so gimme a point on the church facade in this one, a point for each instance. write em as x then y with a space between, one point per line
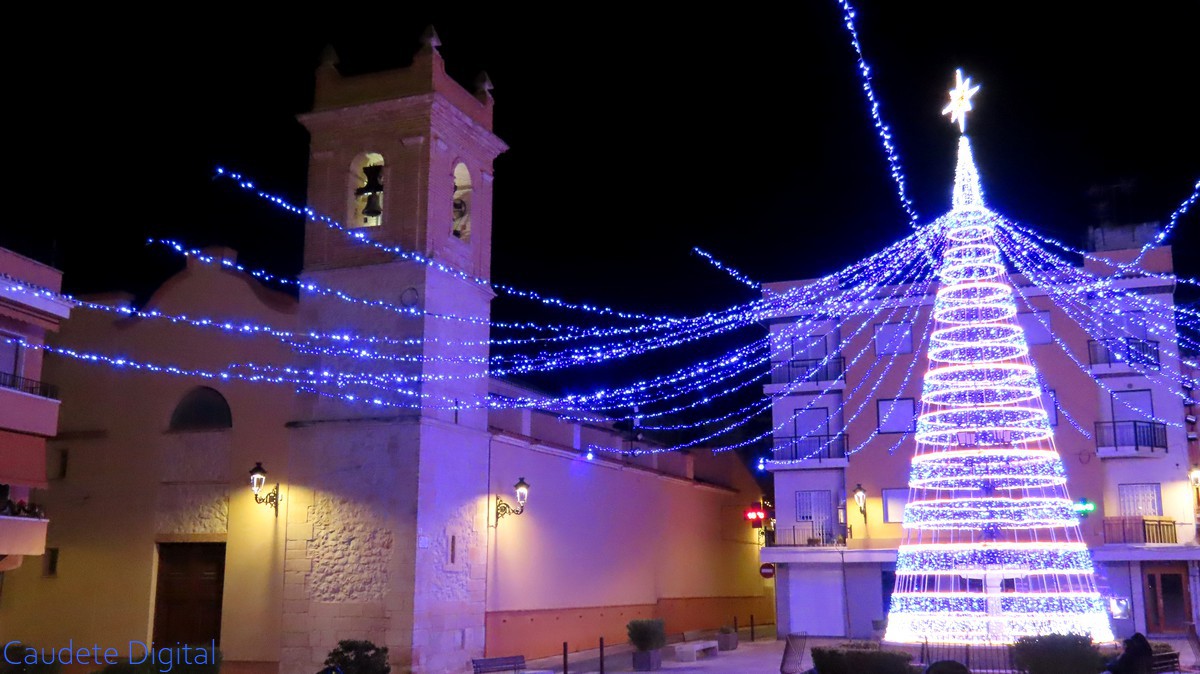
379 521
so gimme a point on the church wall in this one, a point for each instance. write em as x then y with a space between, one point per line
602 542
131 483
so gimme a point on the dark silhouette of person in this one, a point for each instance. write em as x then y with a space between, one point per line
1135 659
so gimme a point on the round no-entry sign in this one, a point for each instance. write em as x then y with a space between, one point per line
767 570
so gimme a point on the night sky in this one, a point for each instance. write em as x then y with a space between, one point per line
634 135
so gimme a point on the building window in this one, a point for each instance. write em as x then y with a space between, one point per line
50 563
1132 405
1036 325
814 515
365 193
809 347
58 464
1140 499
202 409
894 501
895 415
461 206
1123 325
1050 404
10 356
893 338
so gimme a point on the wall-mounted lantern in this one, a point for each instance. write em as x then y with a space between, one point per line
1194 476
860 498
258 479
503 508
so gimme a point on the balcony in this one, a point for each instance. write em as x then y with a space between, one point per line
1130 438
1139 529
1129 351
31 386
815 448
22 535
28 406
809 534
808 370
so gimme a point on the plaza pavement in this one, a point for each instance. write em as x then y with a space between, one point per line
759 657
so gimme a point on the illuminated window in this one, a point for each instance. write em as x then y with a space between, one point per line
1140 499
893 338
814 515
461 207
1050 404
896 415
893 504
1036 325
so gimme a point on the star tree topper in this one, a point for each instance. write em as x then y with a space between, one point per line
960 100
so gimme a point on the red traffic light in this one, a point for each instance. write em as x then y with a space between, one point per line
756 515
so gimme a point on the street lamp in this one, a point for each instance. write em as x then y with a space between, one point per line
503 508
258 478
860 497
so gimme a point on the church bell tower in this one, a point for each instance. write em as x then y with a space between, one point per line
386 526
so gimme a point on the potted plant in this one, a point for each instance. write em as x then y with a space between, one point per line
648 637
727 638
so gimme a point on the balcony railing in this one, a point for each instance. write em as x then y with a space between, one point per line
1140 436
809 534
1139 529
31 386
808 370
809 448
1124 351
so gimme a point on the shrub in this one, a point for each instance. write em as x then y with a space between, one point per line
359 657
1058 654
647 635
857 660
1161 647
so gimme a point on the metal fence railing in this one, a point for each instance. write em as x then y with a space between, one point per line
808 370
810 534
1124 351
1140 436
809 448
31 386
1140 529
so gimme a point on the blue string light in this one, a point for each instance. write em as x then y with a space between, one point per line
735 274
885 133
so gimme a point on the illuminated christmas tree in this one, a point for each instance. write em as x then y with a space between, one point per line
992 549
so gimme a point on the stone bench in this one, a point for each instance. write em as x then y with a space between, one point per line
1164 662
687 651
508 663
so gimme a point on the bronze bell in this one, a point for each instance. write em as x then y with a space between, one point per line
374 184
372 209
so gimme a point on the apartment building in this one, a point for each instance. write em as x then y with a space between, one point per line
1124 424
28 408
